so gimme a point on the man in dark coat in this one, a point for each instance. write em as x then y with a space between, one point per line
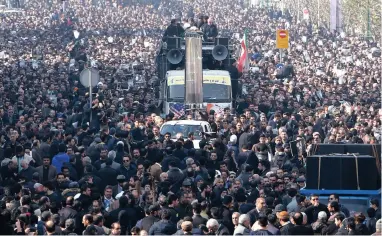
260 207
173 30
284 222
9 171
175 175
216 228
197 219
128 169
68 212
210 30
27 171
173 202
312 211
108 175
169 158
299 228
150 219
129 214
227 213
164 226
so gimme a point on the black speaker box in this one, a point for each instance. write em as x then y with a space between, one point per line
338 172
326 149
173 43
361 149
222 41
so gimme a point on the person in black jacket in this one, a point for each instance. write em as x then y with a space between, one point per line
169 158
173 30
261 206
245 137
164 226
9 171
262 223
299 228
85 197
335 227
197 219
173 202
108 175
313 210
126 215
227 213
175 175
216 228
371 220
68 212
210 30
129 168
151 218
360 226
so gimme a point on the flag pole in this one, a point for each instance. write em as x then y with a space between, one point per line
246 49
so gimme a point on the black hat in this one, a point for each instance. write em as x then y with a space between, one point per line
154 207
280 208
187 182
19 148
300 179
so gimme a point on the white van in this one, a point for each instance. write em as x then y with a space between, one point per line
185 127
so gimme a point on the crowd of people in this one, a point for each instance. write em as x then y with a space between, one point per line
71 167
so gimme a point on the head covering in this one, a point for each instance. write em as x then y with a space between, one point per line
300 179
98 140
187 182
280 208
112 131
227 199
232 173
241 198
74 185
198 178
121 177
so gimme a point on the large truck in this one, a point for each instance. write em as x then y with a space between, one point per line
217 91
177 63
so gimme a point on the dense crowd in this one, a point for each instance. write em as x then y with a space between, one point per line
71 167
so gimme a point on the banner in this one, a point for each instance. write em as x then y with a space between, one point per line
207 79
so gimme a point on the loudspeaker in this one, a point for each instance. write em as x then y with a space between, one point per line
174 56
360 149
326 149
339 172
220 52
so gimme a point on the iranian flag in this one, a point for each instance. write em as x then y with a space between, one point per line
243 60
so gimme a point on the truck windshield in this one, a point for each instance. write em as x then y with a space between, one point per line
211 93
183 129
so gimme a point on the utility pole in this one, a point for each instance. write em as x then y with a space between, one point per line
368 33
318 13
298 10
